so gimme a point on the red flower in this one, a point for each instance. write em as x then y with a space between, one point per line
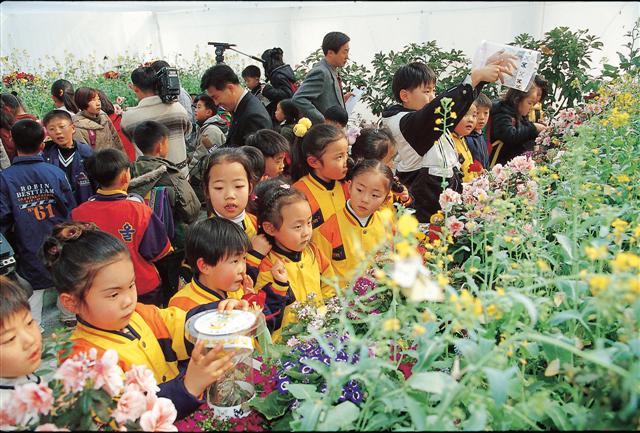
111 75
476 167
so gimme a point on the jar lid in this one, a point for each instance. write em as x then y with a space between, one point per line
229 327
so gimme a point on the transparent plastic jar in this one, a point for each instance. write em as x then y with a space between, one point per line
526 61
228 397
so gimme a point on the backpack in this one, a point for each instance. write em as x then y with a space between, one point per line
158 201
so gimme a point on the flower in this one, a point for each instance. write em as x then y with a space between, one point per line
407 224
598 283
143 377
521 164
596 253
72 374
38 397
161 417
50 427
131 405
107 374
454 225
391 325
476 167
449 198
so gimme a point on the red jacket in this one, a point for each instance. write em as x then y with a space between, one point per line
7 140
128 146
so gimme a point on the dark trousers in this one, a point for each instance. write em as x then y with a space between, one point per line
426 190
169 270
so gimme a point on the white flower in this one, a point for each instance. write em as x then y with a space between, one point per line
415 282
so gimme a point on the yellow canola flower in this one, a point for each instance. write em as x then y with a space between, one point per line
442 280
623 178
500 291
596 253
438 121
453 115
477 307
625 261
619 225
598 283
407 224
391 325
555 176
543 266
405 249
419 330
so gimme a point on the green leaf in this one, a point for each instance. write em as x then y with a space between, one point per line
416 411
566 244
499 383
434 382
272 406
531 309
340 417
303 391
477 421
563 316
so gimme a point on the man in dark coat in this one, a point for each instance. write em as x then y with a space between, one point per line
249 114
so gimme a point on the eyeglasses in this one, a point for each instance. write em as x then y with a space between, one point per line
58 128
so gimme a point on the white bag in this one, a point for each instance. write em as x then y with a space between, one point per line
527 62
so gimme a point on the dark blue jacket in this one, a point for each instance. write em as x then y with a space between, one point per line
34 197
478 146
79 181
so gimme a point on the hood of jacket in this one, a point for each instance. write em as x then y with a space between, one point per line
395 109
87 121
148 171
284 70
217 121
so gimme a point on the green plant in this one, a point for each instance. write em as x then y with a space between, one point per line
630 63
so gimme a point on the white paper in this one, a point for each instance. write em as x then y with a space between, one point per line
527 62
351 102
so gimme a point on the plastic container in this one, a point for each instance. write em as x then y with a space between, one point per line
229 396
527 62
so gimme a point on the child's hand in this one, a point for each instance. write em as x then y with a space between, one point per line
404 195
233 304
261 244
205 369
497 65
279 272
540 127
247 284
501 58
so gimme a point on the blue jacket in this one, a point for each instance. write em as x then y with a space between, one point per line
34 197
80 184
478 146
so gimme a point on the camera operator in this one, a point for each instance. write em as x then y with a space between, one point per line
145 84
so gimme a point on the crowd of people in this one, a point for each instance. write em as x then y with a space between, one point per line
240 195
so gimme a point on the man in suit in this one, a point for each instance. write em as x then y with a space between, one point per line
249 114
322 87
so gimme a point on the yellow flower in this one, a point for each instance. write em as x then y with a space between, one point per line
453 115
596 253
555 176
453 297
391 325
300 130
465 296
598 283
428 316
437 110
636 231
625 261
523 361
543 266
379 274
477 307
510 351
386 214
634 284
500 291
619 225
473 270
438 121
419 330
306 122
404 249
407 224
420 236
437 218
508 239
442 280
623 178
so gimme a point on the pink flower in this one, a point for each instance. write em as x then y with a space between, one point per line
161 417
528 228
117 109
131 405
72 374
50 427
449 198
119 100
107 374
454 225
38 397
499 173
521 164
143 377
7 419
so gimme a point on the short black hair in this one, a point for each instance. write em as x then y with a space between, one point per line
27 135
256 161
269 142
158 65
337 114
482 101
208 102
144 77
290 111
251 71
213 240
411 76
334 41
148 134
218 76
56 114
13 299
106 165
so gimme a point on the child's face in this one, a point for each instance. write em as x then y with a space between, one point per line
528 102
202 112
295 232
163 147
251 82
20 345
110 301
94 106
368 192
468 122
279 114
332 165
416 99
228 189
274 165
227 275
61 132
482 117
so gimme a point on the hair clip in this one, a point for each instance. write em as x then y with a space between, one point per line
352 134
301 128
285 186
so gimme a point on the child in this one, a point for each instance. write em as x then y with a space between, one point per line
115 115
359 228
257 164
470 168
11 110
378 144
211 134
20 340
336 116
92 125
62 95
127 218
274 148
94 277
510 132
285 216
66 153
34 197
287 115
426 156
251 77
319 165
475 141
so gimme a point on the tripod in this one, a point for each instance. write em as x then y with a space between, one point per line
221 46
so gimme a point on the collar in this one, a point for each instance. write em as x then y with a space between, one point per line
131 335
332 68
199 286
326 185
12 382
150 100
111 194
239 220
27 159
240 99
348 210
294 256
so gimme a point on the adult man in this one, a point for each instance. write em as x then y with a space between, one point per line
322 87
172 115
249 114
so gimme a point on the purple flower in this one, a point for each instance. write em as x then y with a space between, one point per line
305 369
282 386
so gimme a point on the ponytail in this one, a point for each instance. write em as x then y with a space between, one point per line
315 143
62 90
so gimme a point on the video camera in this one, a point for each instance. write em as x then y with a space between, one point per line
168 84
7 259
